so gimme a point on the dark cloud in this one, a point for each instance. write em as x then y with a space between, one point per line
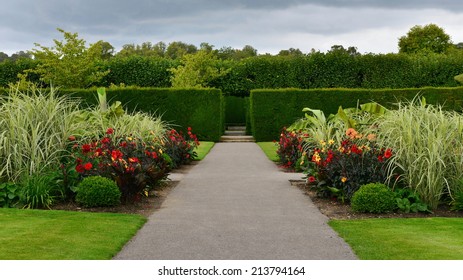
222 23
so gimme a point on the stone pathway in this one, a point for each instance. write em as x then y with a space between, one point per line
236 205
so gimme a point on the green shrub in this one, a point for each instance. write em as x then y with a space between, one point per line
96 191
373 198
9 194
409 202
457 203
38 191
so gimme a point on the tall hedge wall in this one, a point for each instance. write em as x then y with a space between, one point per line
342 70
273 109
201 109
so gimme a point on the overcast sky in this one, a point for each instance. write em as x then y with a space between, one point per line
267 25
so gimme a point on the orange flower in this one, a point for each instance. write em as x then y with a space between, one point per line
343 179
371 137
351 133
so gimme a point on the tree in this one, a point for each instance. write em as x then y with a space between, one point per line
107 50
197 70
69 63
422 39
3 56
290 52
177 50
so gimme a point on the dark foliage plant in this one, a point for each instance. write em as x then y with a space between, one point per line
342 169
133 164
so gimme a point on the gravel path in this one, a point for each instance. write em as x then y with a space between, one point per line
236 205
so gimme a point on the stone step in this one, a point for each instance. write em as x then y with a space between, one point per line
229 138
235 132
236 128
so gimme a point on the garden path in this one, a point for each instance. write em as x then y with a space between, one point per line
236 204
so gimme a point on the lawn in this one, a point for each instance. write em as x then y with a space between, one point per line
270 150
64 235
203 149
403 239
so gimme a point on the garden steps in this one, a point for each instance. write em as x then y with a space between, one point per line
236 134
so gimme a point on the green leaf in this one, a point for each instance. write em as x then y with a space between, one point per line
102 99
373 108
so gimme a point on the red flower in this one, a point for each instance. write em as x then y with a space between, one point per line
388 153
110 131
133 160
72 138
154 155
116 154
88 166
312 179
86 148
123 144
98 152
189 128
380 158
105 140
80 168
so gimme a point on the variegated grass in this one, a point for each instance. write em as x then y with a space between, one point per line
427 145
34 127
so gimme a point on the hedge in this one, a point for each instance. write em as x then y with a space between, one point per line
273 109
201 109
339 69
139 71
235 110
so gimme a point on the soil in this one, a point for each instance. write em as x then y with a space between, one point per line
337 210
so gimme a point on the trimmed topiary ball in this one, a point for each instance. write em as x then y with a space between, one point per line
96 191
373 198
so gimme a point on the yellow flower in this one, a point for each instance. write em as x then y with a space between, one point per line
331 142
343 179
323 143
302 162
160 151
129 138
316 157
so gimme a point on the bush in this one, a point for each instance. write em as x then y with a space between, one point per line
38 191
373 198
9 195
344 167
134 164
96 191
181 150
457 203
290 148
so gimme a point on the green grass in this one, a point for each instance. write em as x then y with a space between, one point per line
203 149
60 235
270 150
403 239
